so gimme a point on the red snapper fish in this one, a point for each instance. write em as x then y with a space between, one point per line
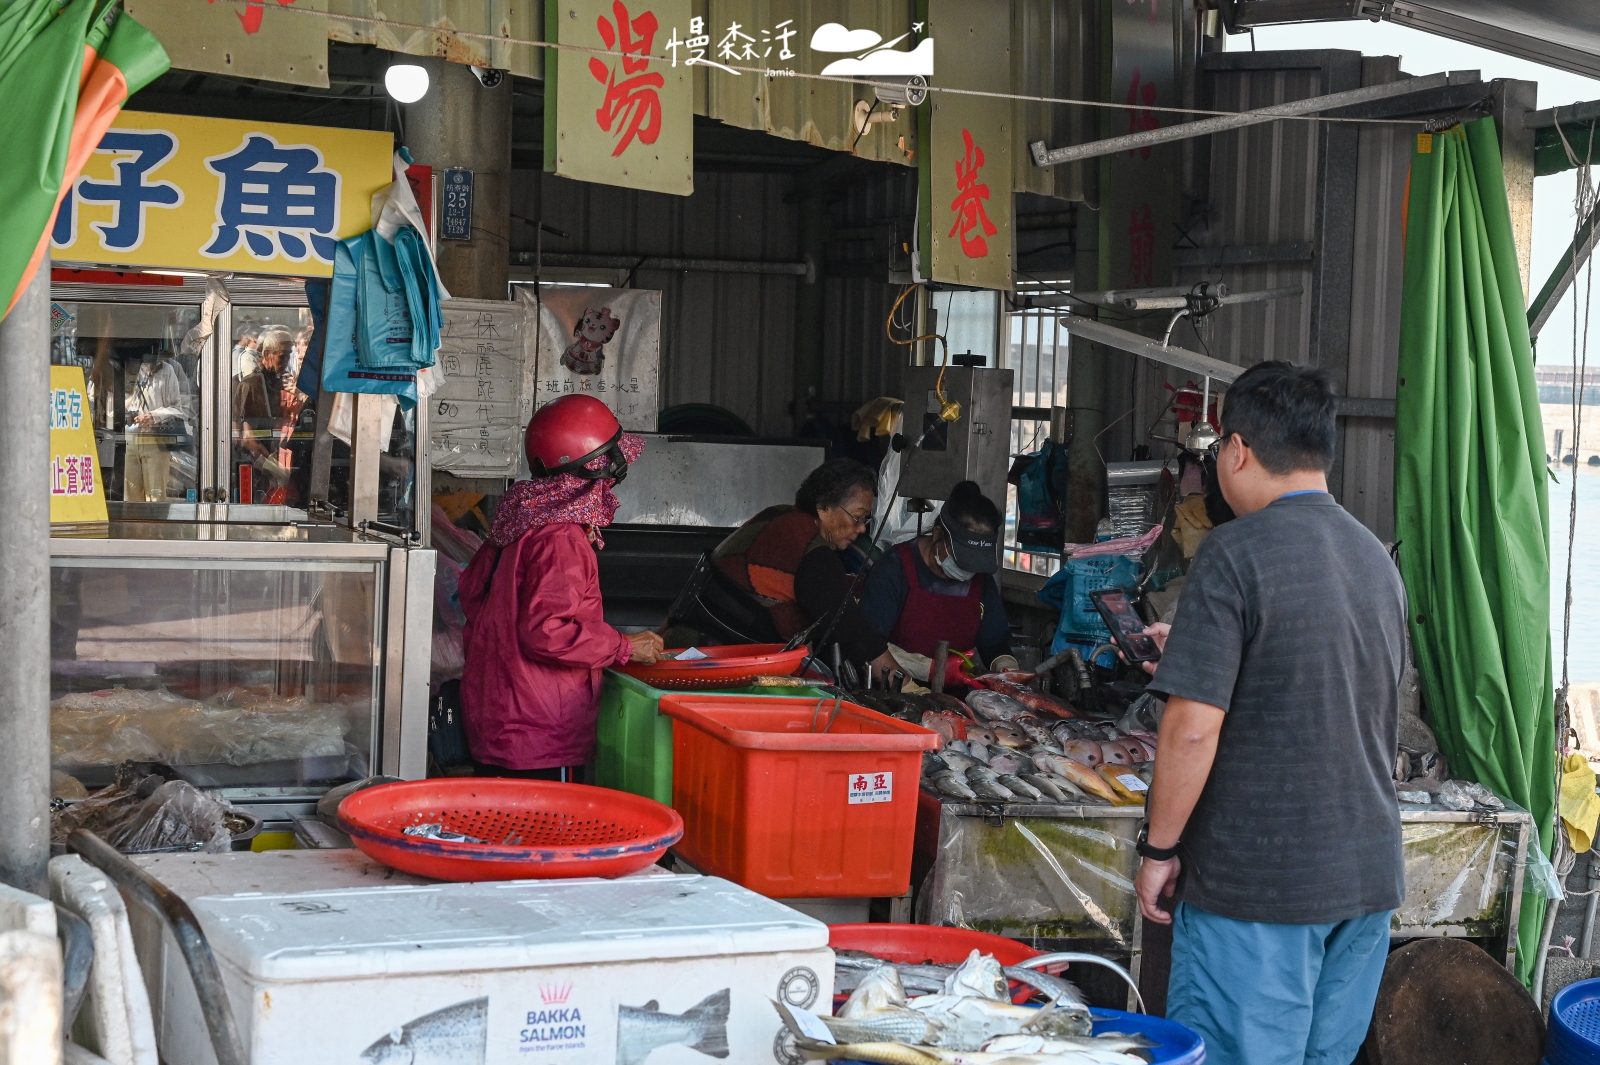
1033 700
948 725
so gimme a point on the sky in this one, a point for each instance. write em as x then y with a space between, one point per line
1424 53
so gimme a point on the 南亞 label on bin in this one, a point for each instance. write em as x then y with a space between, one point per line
871 787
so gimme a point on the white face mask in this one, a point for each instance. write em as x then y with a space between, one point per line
953 571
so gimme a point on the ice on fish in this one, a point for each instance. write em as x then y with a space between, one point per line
455 1035
643 1029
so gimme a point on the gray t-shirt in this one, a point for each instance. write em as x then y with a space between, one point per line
1292 620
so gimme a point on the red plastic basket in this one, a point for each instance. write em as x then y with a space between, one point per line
723 667
771 794
922 944
536 829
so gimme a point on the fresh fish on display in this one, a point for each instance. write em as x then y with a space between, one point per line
950 726
851 967
954 759
880 989
458 1033
1004 760
643 1029
964 1022
1085 752
953 785
1007 735
896 1054
1035 730
1081 776
979 975
982 734
1033 700
993 706
1020 788
1115 752
1046 786
986 784
979 753
1112 1042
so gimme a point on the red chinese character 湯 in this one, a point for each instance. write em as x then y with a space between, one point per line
252 13
632 105
968 204
1141 118
1141 247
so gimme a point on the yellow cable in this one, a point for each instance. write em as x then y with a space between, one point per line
949 409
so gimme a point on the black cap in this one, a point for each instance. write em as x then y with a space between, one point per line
974 551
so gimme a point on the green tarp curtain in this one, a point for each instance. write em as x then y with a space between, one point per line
1471 512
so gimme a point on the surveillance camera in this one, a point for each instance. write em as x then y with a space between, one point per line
901 91
489 76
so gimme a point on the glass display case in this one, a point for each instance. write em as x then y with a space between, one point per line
266 661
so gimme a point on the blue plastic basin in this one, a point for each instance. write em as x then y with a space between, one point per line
1175 1044
1574 1033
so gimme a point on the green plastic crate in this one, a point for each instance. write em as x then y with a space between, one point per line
634 739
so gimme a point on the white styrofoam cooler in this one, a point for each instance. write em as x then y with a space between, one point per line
644 970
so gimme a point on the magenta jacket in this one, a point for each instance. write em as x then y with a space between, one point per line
536 640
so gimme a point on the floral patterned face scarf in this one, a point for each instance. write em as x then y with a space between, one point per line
566 497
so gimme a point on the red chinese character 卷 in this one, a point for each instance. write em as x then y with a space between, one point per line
968 204
632 105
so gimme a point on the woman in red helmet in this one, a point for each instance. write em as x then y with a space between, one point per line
536 637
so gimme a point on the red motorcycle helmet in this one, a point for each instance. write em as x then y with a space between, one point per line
568 434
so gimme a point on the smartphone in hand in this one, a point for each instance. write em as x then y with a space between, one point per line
1127 627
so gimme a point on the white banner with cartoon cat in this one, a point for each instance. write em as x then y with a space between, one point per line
605 342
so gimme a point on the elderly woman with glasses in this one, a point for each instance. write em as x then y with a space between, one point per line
788 559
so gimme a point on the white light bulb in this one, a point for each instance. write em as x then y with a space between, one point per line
406 82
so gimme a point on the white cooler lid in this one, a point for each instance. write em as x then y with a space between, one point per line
519 924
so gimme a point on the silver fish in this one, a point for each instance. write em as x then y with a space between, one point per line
853 967
642 1029
981 734
1110 1042
980 752
880 989
963 1022
455 1035
986 784
1044 786
953 784
959 762
1019 787
959 746
993 706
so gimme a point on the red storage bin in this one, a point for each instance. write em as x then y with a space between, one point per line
777 799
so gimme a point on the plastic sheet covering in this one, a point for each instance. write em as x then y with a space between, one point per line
172 816
233 728
1067 872
1049 877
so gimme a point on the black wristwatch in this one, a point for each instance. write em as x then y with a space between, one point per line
1155 854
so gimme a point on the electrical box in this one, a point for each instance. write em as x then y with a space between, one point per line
976 447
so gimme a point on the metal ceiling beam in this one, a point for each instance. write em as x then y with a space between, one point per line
1122 340
1045 156
1567 114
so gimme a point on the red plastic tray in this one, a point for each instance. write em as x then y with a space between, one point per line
560 830
771 801
922 944
723 667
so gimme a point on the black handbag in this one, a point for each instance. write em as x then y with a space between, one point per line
447 733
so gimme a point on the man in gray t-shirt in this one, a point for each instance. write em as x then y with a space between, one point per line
1272 812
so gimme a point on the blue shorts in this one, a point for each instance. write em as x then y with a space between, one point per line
1276 994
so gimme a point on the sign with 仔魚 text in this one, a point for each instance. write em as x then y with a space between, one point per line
180 192
76 493
625 118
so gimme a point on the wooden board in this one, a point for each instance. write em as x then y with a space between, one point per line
1445 1002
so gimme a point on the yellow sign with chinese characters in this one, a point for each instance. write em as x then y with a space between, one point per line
76 493
177 192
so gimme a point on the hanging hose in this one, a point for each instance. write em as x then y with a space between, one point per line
1583 204
949 410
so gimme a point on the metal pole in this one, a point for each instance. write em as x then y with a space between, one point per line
1122 340
25 589
1043 156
